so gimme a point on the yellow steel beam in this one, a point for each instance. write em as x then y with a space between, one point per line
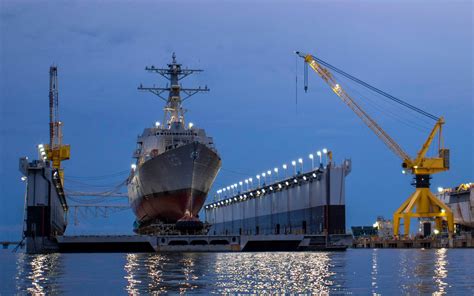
423 204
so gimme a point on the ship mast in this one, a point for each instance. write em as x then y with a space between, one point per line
173 111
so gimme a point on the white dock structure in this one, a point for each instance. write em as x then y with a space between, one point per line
310 203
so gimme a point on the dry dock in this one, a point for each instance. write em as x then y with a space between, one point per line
303 212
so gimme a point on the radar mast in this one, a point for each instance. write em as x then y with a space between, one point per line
173 111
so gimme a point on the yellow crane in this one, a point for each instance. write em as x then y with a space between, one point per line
56 151
422 203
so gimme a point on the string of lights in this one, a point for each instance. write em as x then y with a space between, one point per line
272 176
260 191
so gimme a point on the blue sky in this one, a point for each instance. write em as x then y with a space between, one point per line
420 51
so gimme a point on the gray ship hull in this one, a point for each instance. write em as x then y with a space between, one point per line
173 184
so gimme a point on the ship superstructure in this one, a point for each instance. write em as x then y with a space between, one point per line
176 163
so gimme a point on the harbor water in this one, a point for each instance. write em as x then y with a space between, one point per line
355 272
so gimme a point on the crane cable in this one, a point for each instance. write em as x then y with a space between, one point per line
374 104
296 85
116 174
373 88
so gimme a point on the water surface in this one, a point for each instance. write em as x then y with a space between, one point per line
355 272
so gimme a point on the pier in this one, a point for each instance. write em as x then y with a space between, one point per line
463 241
6 244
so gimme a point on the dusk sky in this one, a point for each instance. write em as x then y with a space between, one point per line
421 51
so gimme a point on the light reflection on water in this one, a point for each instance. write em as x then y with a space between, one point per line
39 274
374 271
229 272
441 272
359 272
427 272
274 272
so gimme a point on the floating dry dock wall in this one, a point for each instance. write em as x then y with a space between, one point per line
45 204
306 203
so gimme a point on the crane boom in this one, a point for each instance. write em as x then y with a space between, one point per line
349 101
54 139
424 149
56 150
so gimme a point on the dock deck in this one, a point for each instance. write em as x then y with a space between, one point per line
198 243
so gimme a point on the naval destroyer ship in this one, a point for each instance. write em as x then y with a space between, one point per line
176 162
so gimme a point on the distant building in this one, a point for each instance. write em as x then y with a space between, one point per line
363 231
382 228
461 201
